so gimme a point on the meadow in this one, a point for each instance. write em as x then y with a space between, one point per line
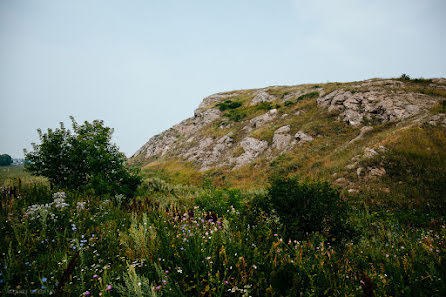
203 240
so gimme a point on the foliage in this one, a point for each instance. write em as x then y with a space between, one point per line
235 115
307 207
220 201
183 249
5 160
264 105
415 167
84 160
310 95
228 104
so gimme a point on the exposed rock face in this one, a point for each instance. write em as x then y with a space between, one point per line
282 139
262 96
253 147
212 138
301 137
263 119
375 102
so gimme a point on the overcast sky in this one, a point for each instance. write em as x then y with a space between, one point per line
143 66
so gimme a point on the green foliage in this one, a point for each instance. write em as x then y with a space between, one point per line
182 249
228 104
310 95
288 103
416 165
235 115
307 207
5 160
404 77
264 105
84 160
220 201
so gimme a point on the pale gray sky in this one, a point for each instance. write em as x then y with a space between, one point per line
143 66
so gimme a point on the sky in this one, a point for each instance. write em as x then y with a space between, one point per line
142 66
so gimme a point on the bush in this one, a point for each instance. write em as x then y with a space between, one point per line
310 95
264 106
235 115
220 201
228 104
307 207
5 160
85 160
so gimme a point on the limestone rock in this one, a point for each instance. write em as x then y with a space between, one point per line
263 119
301 137
362 132
262 96
252 147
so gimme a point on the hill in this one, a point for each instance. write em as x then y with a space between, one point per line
385 134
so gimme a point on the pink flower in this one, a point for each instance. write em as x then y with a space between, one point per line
109 287
275 235
86 293
95 276
158 288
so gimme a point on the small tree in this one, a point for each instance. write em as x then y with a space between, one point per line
5 160
83 160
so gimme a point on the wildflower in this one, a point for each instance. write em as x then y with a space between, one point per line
95 276
158 288
275 235
44 279
86 293
109 287
179 270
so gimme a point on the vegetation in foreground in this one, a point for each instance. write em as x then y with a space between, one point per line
176 240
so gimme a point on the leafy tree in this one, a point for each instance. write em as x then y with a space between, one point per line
5 160
85 159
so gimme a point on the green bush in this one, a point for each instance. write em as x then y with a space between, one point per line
85 159
307 207
220 201
228 104
264 106
235 115
310 95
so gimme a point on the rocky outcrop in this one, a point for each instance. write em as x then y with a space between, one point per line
301 137
282 140
262 96
252 147
263 119
370 101
235 137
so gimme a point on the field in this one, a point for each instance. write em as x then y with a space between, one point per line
184 240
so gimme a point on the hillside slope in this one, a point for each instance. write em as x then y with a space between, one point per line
338 132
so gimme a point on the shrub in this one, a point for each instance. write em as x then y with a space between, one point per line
264 106
85 160
5 160
235 115
306 207
220 201
310 95
288 103
228 104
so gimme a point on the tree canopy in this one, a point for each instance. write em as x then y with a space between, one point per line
83 159
5 160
